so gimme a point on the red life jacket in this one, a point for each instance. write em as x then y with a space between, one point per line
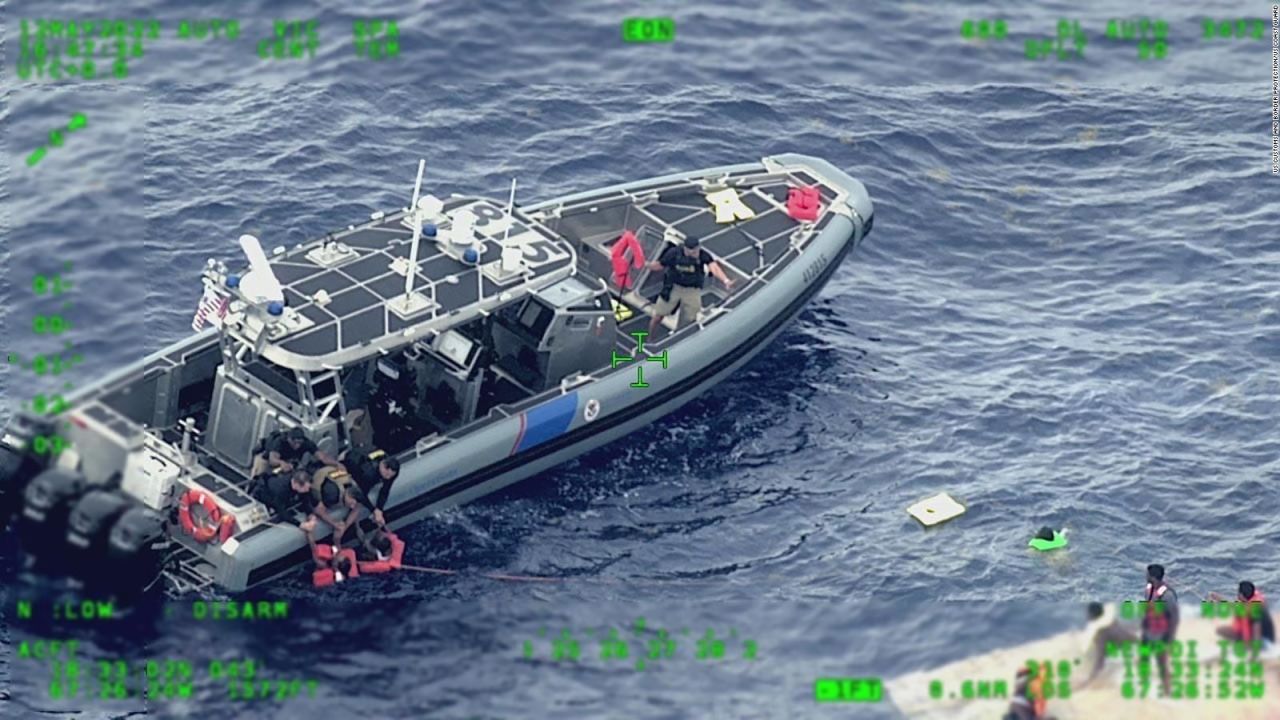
1156 621
391 563
622 273
803 203
1244 625
326 576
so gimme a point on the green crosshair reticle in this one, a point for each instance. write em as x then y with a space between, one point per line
639 335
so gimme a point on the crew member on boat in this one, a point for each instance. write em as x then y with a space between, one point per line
282 451
380 470
282 492
333 490
682 284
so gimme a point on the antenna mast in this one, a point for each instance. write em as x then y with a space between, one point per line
511 210
511 220
412 302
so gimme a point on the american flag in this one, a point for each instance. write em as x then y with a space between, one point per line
213 307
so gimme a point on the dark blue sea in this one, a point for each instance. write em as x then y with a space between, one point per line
1068 314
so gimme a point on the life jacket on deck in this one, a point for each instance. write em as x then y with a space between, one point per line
324 577
621 271
374 567
1243 624
1156 620
803 203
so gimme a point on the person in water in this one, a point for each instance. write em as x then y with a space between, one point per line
1104 630
682 284
1252 622
332 565
381 552
1159 622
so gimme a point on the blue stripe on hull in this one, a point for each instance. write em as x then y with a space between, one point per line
547 421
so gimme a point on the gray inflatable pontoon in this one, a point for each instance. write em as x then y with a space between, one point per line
514 351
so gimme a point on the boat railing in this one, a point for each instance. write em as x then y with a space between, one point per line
430 442
707 316
568 384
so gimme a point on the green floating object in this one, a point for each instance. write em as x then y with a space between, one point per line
1049 539
77 121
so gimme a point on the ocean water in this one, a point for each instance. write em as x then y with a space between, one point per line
1067 314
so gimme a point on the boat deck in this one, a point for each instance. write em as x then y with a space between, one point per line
750 251
360 285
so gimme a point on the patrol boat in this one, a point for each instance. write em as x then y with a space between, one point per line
480 342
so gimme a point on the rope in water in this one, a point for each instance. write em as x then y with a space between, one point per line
546 579
490 576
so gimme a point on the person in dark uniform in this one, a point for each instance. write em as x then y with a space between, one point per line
1159 622
686 270
282 492
283 451
381 470
333 488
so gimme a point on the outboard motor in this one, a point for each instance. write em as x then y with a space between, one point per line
88 527
17 464
49 499
11 481
136 549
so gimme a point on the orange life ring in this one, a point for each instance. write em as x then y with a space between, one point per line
202 533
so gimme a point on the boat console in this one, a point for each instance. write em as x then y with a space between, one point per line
569 328
448 379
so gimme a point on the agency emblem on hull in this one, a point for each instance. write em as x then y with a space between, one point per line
592 410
